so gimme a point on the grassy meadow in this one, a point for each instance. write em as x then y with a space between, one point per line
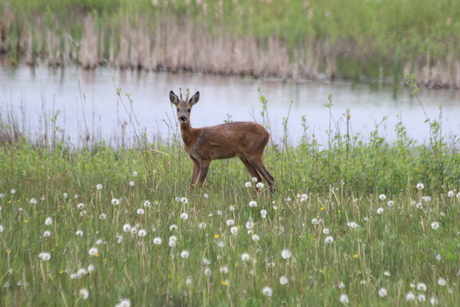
295 39
358 222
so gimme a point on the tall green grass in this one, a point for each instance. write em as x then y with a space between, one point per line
356 39
363 221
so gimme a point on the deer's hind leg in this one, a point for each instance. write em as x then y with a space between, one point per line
254 173
258 164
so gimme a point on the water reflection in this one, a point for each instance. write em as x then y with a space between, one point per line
89 103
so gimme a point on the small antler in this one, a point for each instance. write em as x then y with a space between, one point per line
187 93
180 92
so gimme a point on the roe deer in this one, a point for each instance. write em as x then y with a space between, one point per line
245 140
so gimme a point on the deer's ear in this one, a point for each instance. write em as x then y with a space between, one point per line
173 98
194 99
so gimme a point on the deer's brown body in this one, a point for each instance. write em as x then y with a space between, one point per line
245 140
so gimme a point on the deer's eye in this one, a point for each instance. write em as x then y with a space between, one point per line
189 110
177 110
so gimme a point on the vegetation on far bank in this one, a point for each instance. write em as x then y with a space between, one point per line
376 40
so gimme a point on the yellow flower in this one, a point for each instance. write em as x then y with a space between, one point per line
225 283
26 221
216 236
61 271
322 208
237 264
355 256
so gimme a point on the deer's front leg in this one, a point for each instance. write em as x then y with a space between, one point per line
196 172
204 167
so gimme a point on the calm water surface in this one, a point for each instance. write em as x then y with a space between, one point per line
88 103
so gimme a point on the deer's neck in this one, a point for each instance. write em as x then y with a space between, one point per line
188 134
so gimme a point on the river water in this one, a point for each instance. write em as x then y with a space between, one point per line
89 105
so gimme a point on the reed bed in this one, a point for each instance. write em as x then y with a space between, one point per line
294 39
352 222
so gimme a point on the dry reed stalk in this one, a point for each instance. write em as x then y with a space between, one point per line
88 55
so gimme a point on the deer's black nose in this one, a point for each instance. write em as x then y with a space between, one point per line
183 118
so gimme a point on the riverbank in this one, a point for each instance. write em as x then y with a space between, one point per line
290 40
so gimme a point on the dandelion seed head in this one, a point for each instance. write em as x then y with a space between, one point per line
450 194
202 225
382 197
115 201
326 231
140 211
286 254
142 233
263 213
303 197
315 221
283 280
48 221
410 296
255 238
124 302
131 183
157 241
93 251
47 233
380 210
420 186
184 200
126 227
173 227
421 286
254 179
352 225
146 203
184 216
224 270
260 185
90 268
267 291
81 206
234 230
245 257
383 292
135 174
442 281
207 272
99 186
33 201
102 216
249 225
184 254
252 204
248 184
329 239
44 256
435 225
390 203
79 233
84 293
344 298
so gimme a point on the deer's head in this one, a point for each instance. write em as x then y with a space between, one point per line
184 106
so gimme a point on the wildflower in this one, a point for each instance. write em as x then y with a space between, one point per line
224 270
442 281
255 238
438 257
126 227
147 203
202 225
329 239
252 203
13 191
90 268
386 274
188 281
172 239
82 272
435 225
260 185
157 241
383 292
2 228
234 230
458 195
99 186
420 186
207 272
380 210
352 225
173 227
184 200
450 194
124 302
102 216
248 184
382 197
341 285
84 293
326 231
93 251
249 225
245 257
184 216
434 300
81 206
421 286
390 203
44 256
206 261
115 202
79 233
48 221
140 211
410 296
303 197
283 280
267 291
232 208
131 183
254 179
47 233
184 254
263 213
65 195
421 297
344 298
286 254
33 201
315 221
142 233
